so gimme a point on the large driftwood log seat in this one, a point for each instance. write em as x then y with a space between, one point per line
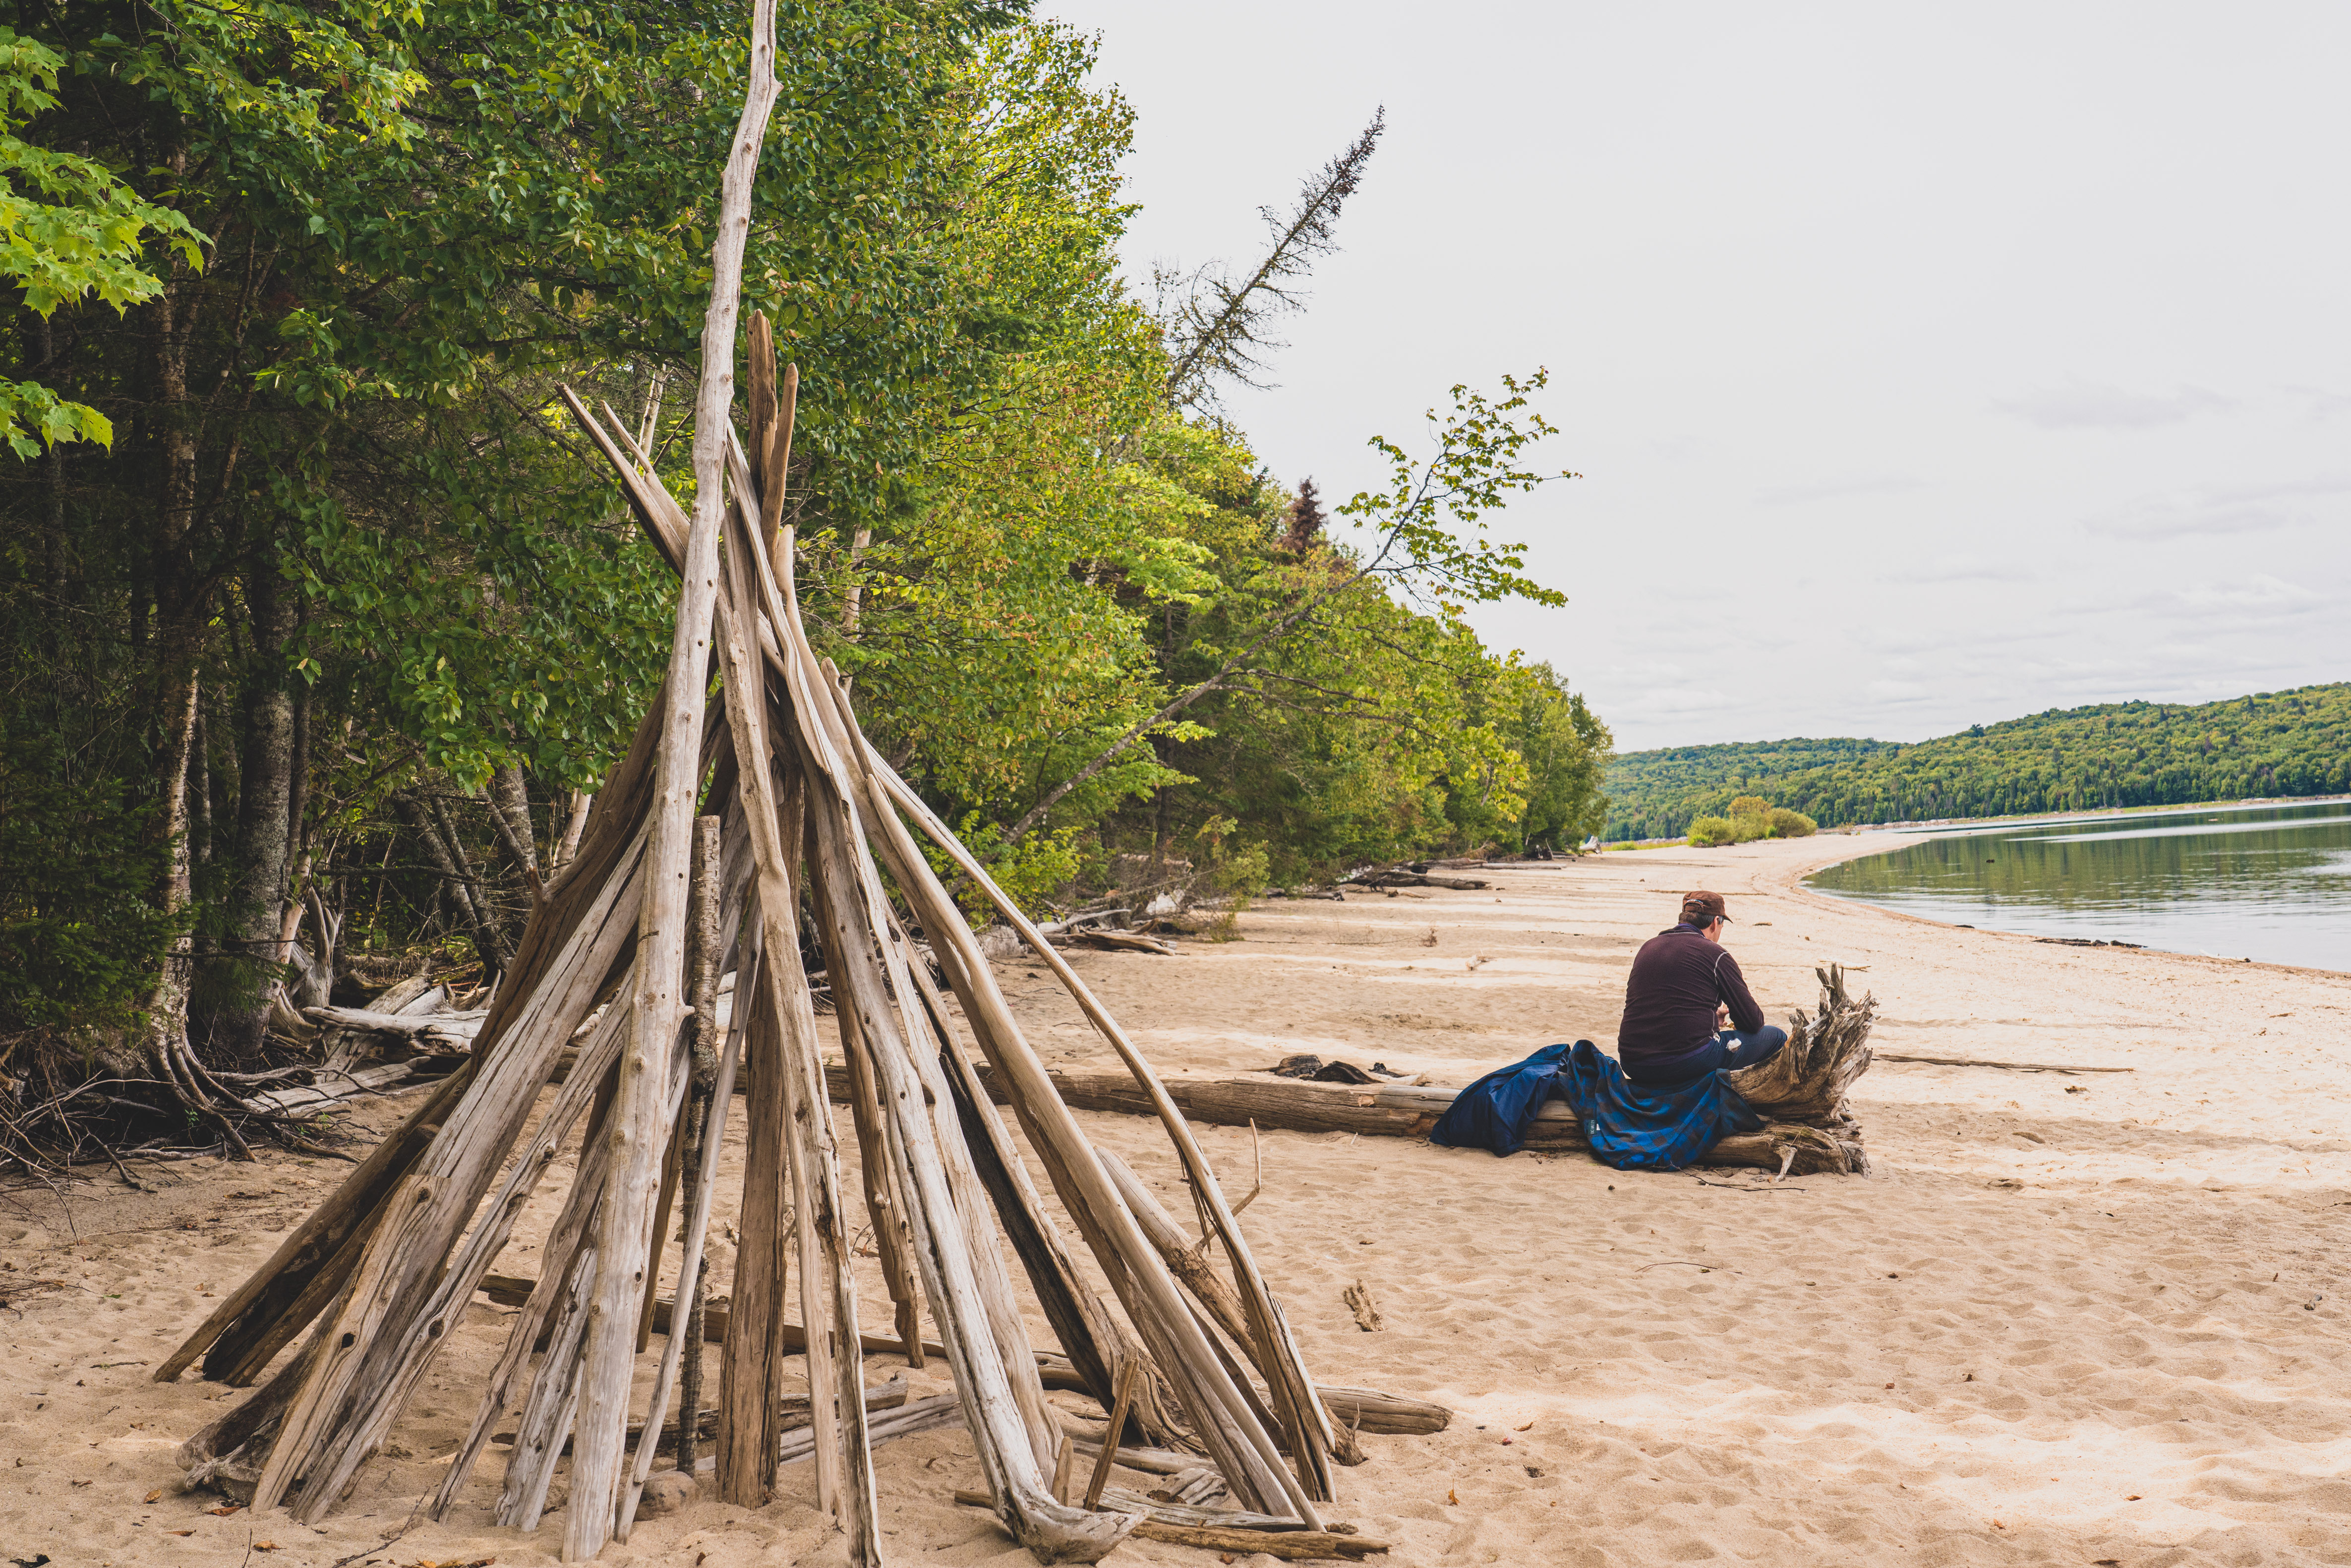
1800 1093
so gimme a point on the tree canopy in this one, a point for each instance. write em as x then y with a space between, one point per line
319 618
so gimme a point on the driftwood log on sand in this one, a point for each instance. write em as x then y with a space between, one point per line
1182 1527
460 1026
1801 1093
1415 879
1391 1111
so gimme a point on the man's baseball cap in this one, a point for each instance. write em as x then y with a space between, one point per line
1702 909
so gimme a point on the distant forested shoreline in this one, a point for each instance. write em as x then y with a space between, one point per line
2288 743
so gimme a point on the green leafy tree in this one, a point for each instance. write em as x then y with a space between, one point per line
1414 552
1711 832
69 230
342 623
1565 747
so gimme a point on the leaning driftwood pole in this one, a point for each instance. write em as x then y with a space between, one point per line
686 1346
641 1112
706 1112
828 1290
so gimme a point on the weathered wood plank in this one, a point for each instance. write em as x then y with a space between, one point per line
1291 1545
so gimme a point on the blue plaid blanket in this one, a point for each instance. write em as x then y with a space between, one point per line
1630 1127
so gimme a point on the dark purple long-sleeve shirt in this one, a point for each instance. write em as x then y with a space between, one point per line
1678 978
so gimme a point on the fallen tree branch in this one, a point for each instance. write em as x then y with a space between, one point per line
2010 1066
1394 1111
1399 877
465 1024
1291 1545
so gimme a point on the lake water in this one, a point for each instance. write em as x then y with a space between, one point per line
2267 883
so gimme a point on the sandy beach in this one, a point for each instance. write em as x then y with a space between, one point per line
2075 1319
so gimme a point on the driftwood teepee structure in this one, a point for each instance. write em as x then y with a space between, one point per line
806 818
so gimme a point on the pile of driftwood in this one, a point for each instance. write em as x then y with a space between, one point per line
805 819
1417 875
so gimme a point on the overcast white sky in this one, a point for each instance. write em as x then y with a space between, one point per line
1925 365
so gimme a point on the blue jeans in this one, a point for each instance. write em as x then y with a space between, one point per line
1727 1052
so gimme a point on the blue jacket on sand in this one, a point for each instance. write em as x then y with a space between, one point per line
1630 1128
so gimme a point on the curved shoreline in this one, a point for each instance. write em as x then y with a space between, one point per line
1792 881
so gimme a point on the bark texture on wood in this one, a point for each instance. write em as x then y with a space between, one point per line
751 1371
165 1011
1289 1545
884 1210
510 811
1804 1084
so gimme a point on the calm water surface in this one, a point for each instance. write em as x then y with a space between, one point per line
2269 883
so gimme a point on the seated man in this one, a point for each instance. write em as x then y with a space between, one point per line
1682 991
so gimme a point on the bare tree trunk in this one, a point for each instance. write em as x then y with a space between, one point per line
177 631
569 844
476 892
298 837
263 806
200 790
165 1009
510 811
702 963
297 781
856 598
457 882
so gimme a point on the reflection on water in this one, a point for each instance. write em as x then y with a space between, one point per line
2270 883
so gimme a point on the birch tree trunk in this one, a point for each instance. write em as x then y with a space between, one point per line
264 801
177 633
